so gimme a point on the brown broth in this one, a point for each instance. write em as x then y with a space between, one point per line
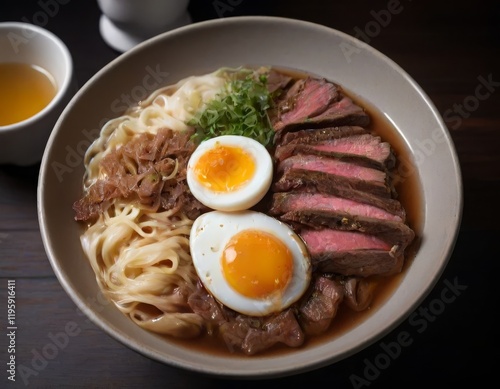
409 194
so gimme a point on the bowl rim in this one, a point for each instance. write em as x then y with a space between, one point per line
268 371
61 90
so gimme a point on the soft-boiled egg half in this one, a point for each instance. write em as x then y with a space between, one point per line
229 172
249 261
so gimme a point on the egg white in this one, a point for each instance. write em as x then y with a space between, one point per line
210 234
243 197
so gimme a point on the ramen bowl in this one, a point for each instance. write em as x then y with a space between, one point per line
253 41
22 142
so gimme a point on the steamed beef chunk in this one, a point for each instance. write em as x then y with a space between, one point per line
358 292
253 335
248 334
150 169
311 315
315 102
204 304
319 308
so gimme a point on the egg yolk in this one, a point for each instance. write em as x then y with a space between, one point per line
224 168
257 264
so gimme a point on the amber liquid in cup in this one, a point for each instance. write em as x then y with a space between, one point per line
25 90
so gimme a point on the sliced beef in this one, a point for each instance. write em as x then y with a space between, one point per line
314 103
363 263
342 173
277 81
351 253
392 232
315 135
321 305
319 182
366 149
332 166
306 98
286 101
297 201
326 240
341 113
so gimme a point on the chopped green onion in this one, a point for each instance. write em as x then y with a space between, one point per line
241 109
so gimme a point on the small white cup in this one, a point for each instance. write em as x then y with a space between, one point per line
126 23
23 143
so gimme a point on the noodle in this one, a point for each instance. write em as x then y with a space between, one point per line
140 256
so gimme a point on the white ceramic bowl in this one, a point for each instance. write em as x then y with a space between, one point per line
23 143
203 47
126 23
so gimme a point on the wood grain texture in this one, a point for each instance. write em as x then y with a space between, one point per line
447 47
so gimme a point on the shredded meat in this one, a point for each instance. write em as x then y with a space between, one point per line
150 169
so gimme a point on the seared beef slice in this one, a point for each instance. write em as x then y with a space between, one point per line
332 183
316 103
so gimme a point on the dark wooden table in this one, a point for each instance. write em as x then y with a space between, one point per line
449 49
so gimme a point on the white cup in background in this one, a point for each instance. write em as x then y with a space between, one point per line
126 23
23 142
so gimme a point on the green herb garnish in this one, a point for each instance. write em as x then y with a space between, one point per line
241 109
